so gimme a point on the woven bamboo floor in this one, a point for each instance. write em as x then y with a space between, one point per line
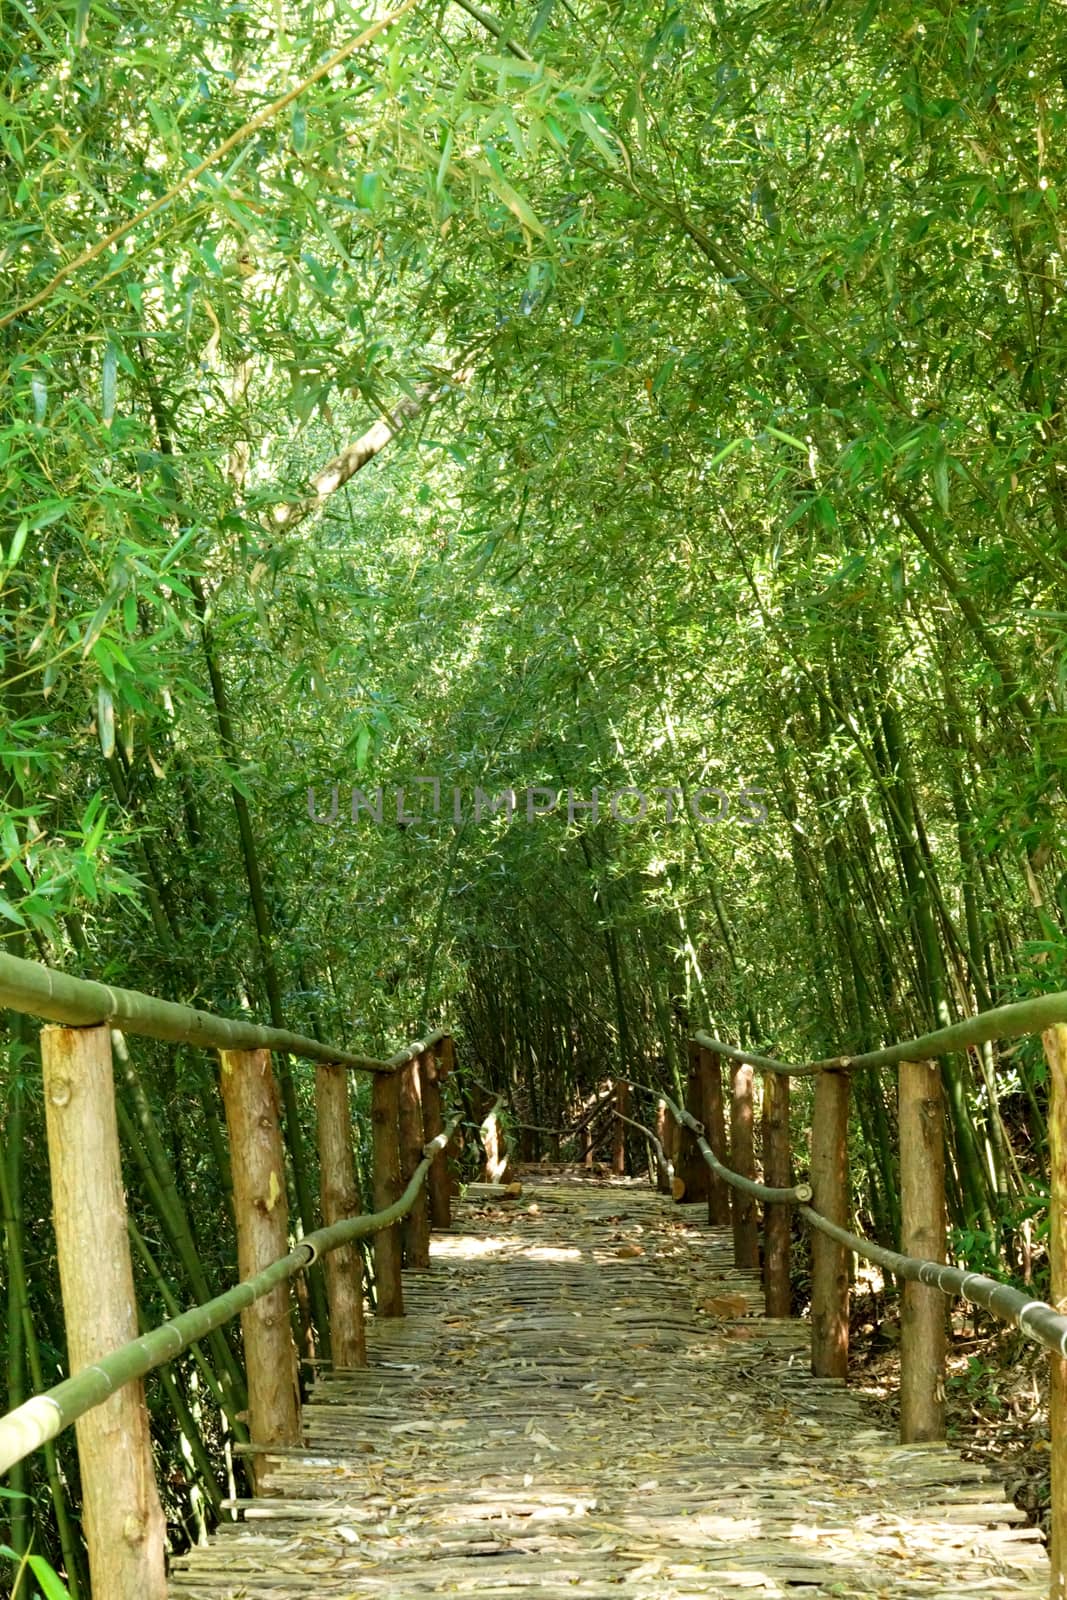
585 1399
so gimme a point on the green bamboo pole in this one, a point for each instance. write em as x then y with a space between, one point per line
173 1306
46 1415
158 1176
16 1267
191 1433
19 1519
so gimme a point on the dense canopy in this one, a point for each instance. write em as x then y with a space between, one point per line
655 402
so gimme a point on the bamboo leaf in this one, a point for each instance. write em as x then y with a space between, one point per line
109 382
105 720
540 21
52 1586
12 914
787 438
940 476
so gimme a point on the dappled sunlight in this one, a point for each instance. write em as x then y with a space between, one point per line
590 1397
544 1252
467 1247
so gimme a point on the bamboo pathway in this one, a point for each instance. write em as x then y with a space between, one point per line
584 1399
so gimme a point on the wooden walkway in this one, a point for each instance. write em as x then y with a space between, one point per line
584 1399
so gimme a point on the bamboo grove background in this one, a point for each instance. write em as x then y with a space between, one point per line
720 359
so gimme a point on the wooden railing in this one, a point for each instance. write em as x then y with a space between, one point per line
825 1206
104 1396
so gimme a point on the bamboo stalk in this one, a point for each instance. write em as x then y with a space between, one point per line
11 1153
1055 1042
174 1224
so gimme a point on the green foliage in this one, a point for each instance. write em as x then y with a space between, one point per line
723 353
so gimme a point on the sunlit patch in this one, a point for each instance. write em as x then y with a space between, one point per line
542 1252
467 1247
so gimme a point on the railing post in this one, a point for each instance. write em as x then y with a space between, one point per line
339 1197
435 1067
713 1118
261 1214
618 1144
387 1188
1055 1041
777 1174
123 1521
923 1311
830 1197
743 1162
415 1228
691 1174
664 1133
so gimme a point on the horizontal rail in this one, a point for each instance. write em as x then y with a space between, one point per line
657 1143
760 1191
44 1416
40 991
1035 1318
1003 1022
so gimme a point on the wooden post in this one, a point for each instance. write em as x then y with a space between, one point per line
618 1143
690 1169
340 1198
922 1233
387 1188
435 1068
1055 1041
664 1126
777 1174
830 1197
123 1521
743 1162
712 1117
261 1213
415 1228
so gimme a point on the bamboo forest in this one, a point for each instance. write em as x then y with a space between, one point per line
533 892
